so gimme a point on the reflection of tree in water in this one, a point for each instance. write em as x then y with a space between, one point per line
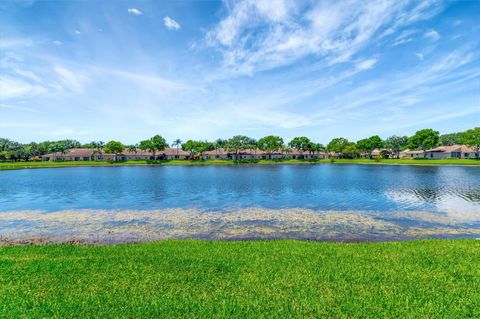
427 194
472 196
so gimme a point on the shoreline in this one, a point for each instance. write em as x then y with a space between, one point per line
107 227
389 162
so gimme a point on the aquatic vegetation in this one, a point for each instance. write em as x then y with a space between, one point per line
110 226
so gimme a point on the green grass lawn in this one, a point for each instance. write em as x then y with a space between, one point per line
21 165
255 279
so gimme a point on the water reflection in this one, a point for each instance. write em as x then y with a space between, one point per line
219 188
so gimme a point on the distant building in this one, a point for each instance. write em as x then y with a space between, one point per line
88 154
453 151
412 154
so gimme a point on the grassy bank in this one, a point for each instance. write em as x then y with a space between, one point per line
257 279
23 165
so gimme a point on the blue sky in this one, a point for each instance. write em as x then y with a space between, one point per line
126 70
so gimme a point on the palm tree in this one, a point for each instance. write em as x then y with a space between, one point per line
219 144
286 150
100 146
177 143
53 148
133 149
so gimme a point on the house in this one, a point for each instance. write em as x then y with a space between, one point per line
453 151
74 154
412 154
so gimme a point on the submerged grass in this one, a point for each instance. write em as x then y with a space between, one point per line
253 279
405 161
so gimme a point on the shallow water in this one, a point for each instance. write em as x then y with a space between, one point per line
399 202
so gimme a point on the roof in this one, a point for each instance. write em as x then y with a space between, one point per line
452 148
413 152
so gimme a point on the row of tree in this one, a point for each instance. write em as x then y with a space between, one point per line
423 140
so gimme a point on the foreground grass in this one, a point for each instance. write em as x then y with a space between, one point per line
256 279
450 161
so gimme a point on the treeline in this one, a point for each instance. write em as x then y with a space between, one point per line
422 140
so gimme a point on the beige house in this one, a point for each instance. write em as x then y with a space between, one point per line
453 151
412 154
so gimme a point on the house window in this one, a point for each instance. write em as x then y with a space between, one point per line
467 155
456 154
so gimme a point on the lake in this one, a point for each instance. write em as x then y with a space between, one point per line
410 199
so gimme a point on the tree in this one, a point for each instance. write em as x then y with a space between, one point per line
193 147
145 145
158 143
396 143
63 147
350 150
114 147
177 143
154 145
132 148
270 144
320 148
337 145
301 143
369 144
3 156
219 144
240 142
424 139
53 148
472 138
451 139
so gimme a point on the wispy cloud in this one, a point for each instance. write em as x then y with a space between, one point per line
432 34
12 88
366 64
259 35
135 11
19 108
171 24
74 81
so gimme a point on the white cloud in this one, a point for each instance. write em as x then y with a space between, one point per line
432 34
57 42
259 35
77 32
420 56
19 108
171 24
135 11
404 37
16 88
15 43
366 64
73 81
27 74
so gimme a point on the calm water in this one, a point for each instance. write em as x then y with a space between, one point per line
319 187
